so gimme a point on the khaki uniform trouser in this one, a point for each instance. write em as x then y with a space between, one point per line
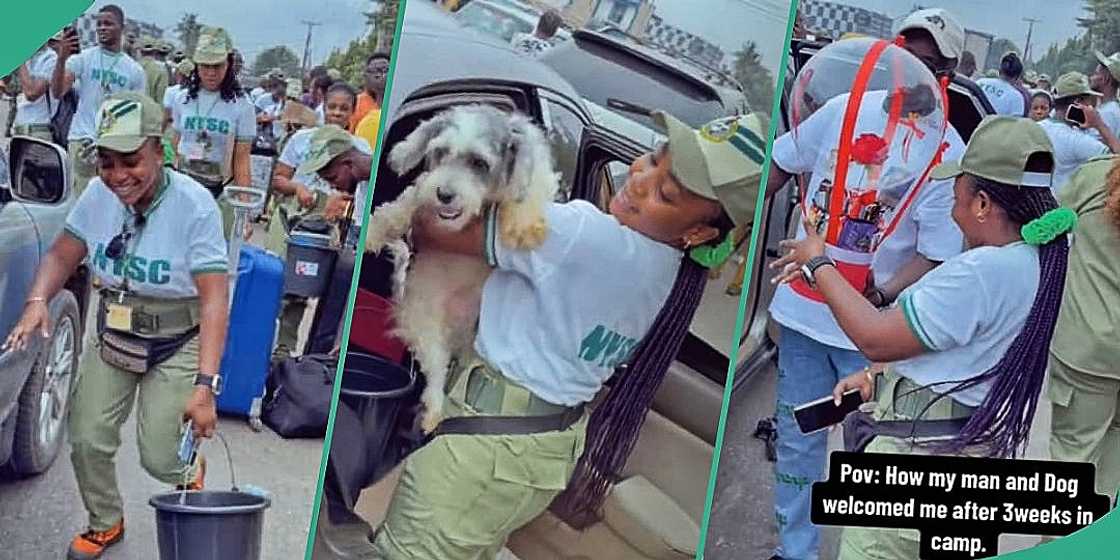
865 543
276 241
80 172
103 400
38 131
1086 422
461 496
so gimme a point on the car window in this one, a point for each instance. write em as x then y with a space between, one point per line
490 20
601 73
565 132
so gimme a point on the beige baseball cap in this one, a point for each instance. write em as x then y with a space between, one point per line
722 161
185 67
298 113
294 88
1073 84
1110 62
126 119
946 30
326 143
214 46
999 150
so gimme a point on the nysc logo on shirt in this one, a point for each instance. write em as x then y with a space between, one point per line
606 346
209 124
108 78
138 269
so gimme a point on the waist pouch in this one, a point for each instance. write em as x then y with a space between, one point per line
861 428
138 354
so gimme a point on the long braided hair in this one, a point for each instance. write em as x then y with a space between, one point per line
616 422
1002 422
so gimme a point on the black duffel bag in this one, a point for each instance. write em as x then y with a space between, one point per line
297 402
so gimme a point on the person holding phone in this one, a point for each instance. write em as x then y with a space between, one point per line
1070 129
98 73
34 106
154 243
961 343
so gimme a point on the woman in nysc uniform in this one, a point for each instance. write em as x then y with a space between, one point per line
155 246
1084 386
214 123
962 343
555 324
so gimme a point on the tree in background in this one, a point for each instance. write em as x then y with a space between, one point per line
757 81
1102 26
188 30
277 57
351 61
999 47
1074 56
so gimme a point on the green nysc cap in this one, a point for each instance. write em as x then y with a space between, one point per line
214 46
1073 84
126 119
722 161
999 150
327 143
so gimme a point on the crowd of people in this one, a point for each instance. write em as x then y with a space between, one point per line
154 138
999 280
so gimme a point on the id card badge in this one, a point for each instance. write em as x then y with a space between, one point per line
118 317
192 150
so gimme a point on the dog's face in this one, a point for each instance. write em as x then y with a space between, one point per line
473 155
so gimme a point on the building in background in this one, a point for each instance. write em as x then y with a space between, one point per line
676 40
630 16
833 19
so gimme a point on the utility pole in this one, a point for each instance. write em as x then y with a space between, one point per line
307 47
1030 29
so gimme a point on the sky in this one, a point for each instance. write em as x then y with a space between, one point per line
1002 18
257 25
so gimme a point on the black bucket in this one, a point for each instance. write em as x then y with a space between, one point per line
372 395
310 262
209 525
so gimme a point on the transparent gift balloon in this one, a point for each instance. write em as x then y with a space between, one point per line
879 117
871 120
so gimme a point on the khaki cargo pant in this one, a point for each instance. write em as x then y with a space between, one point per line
80 172
103 400
293 307
1086 422
461 496
866 543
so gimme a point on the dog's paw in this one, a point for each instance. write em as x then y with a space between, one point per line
430 420
520 231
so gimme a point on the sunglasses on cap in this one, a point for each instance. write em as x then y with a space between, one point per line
119 243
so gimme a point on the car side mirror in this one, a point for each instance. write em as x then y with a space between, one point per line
37 171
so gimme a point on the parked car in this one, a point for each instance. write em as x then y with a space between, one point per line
35 383
503 19
656 509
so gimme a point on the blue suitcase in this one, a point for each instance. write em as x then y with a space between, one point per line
252 331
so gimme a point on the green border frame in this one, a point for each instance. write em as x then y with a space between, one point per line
733 355
31 24
353 294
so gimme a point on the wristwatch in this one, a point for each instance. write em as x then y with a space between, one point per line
214 382
810 268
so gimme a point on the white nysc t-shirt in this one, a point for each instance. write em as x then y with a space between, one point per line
558 319
182 237
170 95
926 229
225 123
1073 147
41 67
270 106
1004 97
94 70
1110 114
966 313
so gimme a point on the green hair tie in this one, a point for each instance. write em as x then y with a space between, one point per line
1049 226
709 256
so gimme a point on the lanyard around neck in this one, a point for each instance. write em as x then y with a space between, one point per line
134 243
104 71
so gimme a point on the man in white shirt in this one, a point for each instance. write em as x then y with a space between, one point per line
34 106
540 40
97 73
270 106
813 351
1006 92
1105 80
1074 143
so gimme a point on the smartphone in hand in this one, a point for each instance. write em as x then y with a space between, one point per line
188 445
1076 114
819 414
